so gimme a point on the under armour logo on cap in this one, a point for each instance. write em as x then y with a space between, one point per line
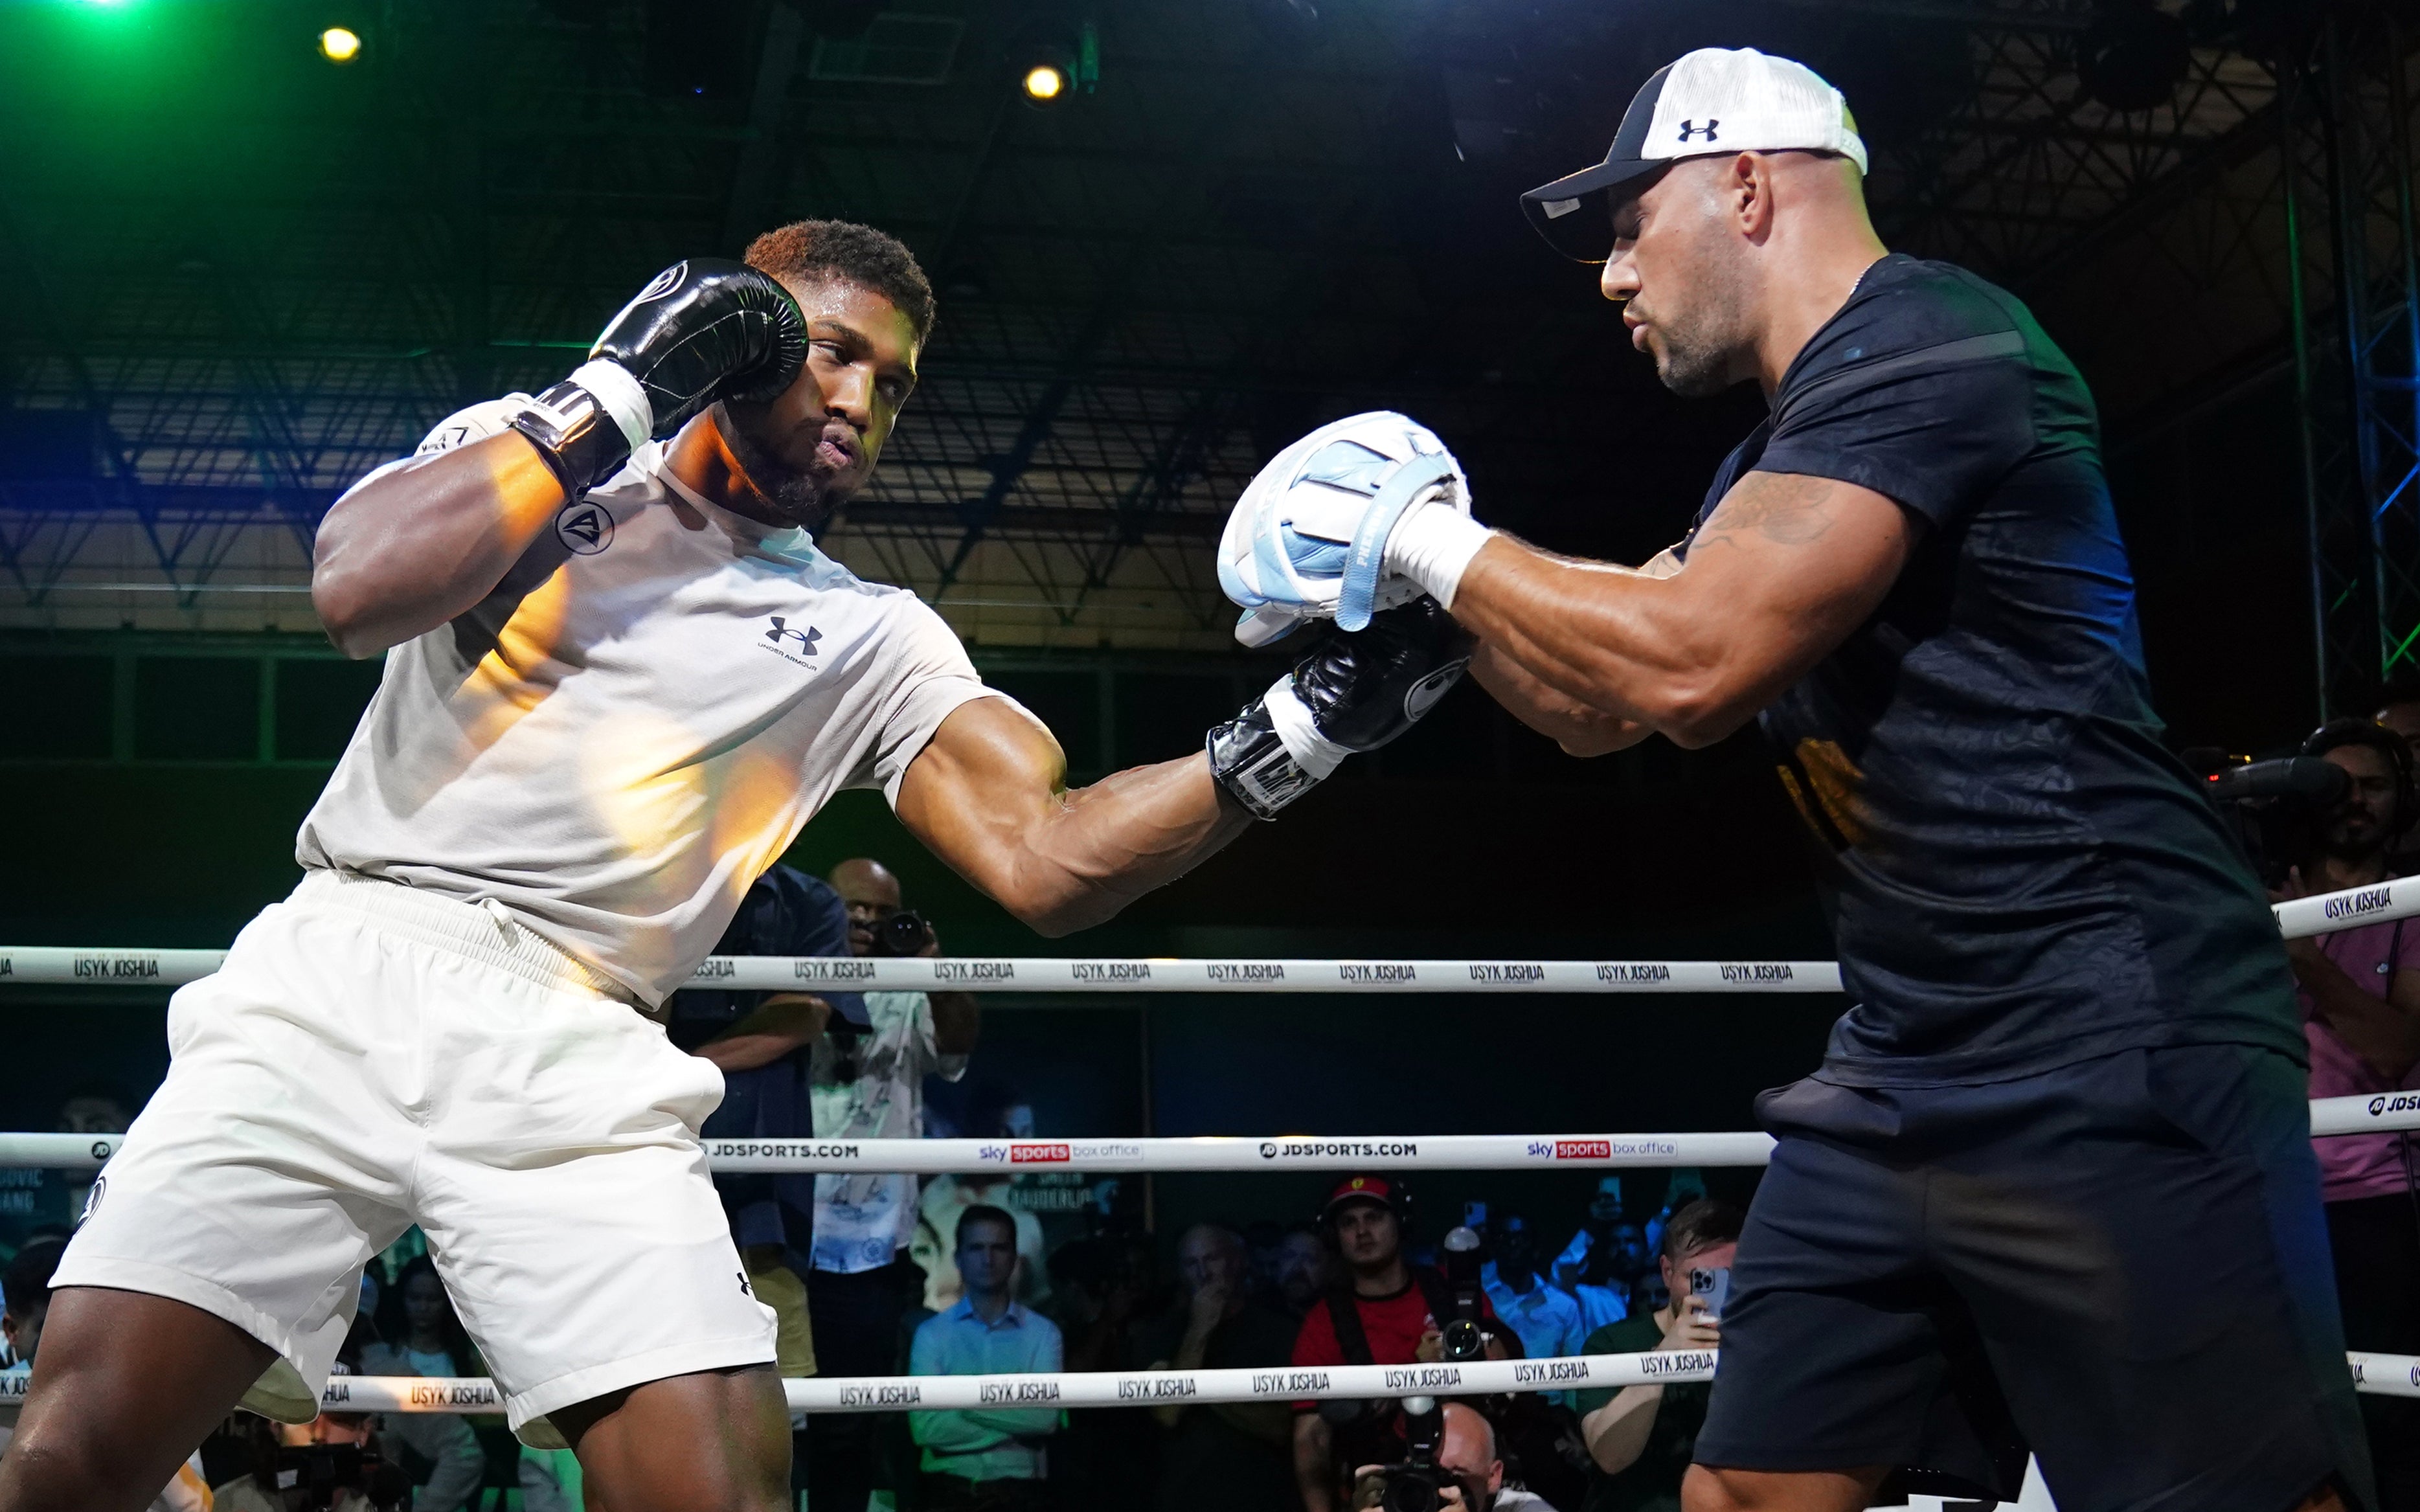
1690 129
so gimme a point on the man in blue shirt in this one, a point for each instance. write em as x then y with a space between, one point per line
993 1459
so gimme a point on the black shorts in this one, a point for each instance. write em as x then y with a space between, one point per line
2122 1264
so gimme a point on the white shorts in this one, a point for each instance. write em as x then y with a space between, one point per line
371 1058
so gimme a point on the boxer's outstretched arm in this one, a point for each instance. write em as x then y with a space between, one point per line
989 795
407 551
1786 567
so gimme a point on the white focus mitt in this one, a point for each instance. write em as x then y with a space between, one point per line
1308 539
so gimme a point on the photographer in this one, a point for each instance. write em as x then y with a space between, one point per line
333 1463
1384 1311
1641 1437
869 1084
1467 1472
2360 993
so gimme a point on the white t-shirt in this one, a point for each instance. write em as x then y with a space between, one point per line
861 1219
635 724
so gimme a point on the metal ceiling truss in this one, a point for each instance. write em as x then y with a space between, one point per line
1127 282
2348 141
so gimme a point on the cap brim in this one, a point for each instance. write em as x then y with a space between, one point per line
1575 212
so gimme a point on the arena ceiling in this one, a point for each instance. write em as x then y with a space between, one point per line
242 275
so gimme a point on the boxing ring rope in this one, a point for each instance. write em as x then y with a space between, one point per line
2380 1114
2390 1375
103 966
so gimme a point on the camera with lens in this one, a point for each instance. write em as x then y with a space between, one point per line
900 934
2275 808
319 1471
1464 1254
1417 1483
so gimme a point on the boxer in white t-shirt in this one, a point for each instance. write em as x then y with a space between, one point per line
620 676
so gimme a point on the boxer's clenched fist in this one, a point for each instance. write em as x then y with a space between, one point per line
1357 692
701 330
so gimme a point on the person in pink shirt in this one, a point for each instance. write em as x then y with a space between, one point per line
2360 992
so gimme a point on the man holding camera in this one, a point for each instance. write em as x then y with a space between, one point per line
1463 1471
1384 1311
2360 992
869 1084
1642 1436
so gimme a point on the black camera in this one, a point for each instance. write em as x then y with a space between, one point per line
2275 808
901 934
1417 1483
319 1471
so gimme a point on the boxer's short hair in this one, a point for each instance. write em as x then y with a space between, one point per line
1701 1224
810 251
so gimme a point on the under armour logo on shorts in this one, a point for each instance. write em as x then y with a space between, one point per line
1690 129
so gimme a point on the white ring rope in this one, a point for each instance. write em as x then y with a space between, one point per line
2380 1114
2393 1374
71 965
135 966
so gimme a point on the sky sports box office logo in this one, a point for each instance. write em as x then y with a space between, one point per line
1040 1153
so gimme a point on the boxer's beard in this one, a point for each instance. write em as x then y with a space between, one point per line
1699 346
801 499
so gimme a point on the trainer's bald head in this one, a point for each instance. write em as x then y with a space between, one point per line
862 881
1725 264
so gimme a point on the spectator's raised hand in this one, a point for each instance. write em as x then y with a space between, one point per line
1432 1348
1691 1328
1209 1307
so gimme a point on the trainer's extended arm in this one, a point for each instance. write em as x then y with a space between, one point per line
989 795
1580 728
1786 567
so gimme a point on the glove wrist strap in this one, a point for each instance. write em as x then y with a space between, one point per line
1433 547
1313 752
578 437
1250 761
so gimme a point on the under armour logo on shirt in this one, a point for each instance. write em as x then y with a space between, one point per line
745 1290
782 631
1690 128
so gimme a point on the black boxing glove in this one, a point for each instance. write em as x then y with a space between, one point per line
1357 692
701 330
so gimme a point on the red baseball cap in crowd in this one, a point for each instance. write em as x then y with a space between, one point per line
1376 1189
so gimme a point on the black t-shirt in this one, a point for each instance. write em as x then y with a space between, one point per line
2019 873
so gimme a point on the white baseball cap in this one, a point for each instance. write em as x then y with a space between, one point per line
1707 103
